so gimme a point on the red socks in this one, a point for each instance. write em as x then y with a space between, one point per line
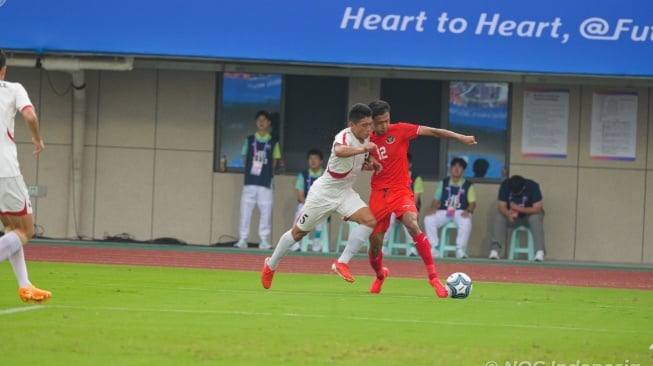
377 264
424 249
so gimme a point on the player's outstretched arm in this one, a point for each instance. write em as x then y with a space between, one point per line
442 133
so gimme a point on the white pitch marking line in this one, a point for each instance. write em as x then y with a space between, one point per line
20 309
367 319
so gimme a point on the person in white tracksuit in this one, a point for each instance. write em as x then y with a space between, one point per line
261 155
454 200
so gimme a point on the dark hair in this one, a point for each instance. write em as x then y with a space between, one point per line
459 161
480 167
379 107
409 156
359 111
516 183
3 59
314 152
265 114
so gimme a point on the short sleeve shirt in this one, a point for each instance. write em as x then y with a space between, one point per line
13 98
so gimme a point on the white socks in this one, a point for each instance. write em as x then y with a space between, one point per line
285 242
20 267
356 239
9 244
11 248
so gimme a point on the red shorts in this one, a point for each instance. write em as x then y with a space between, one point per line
384 202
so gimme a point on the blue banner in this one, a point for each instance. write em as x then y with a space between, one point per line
601 37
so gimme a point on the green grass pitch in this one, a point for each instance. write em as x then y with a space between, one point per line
121 315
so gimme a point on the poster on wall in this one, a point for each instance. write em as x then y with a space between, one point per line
480 109
614 126
545 123
243 95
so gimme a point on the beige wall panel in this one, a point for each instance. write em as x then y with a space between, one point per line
29 162
647 250
486 207
610 215
559 187
127 108
54 175
92 107
363 90
182 196
124 192
30 78
586 122
186 110
517 112
649 146
56 110
227 188
87 218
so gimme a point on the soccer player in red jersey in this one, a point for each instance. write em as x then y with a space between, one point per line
391 190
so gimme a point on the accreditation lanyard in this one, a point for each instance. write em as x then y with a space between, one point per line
457 200
258 161
523 199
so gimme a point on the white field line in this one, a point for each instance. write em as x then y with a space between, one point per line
20 309
353 318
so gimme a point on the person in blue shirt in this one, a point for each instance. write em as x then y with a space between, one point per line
303 184
261 155
520 203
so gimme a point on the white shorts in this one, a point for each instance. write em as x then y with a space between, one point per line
14 198
318 207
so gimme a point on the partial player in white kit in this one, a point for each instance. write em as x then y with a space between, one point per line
333 192
15 206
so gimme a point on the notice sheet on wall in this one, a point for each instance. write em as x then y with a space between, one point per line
614 126
545 123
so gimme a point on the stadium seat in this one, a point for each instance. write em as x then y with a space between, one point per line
516 243
341 240
324 239
445 239
394 239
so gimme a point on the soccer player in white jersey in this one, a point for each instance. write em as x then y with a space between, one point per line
15 207
333 192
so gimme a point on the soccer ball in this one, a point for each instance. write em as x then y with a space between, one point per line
459 285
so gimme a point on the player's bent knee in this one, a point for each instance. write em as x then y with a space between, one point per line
369 221
297 234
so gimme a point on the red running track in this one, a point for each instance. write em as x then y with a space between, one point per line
492 271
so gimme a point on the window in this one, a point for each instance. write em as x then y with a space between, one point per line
242 95
419 102
315 110
480 109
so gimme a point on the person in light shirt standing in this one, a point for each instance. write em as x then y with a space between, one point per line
15 206
261 156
